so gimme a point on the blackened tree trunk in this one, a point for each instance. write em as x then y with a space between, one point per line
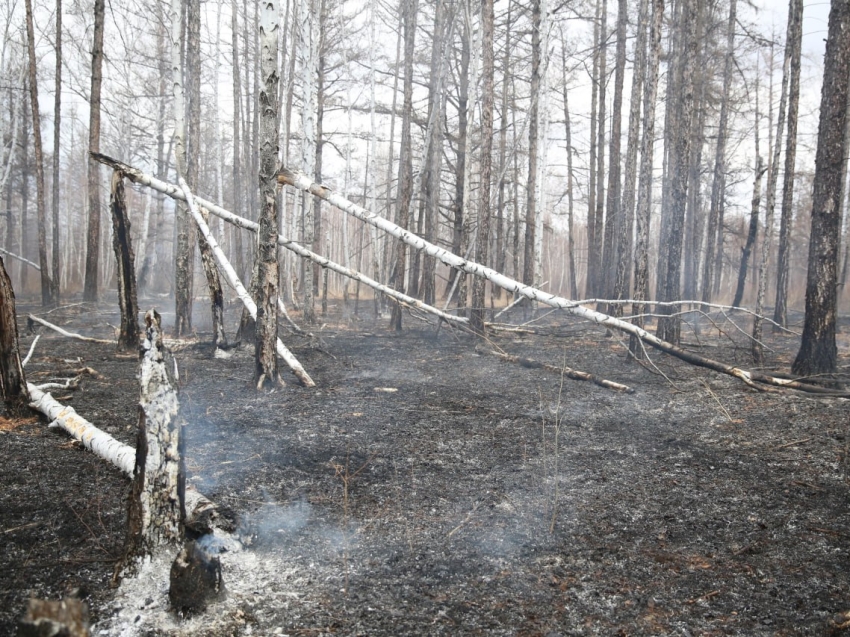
718 184
571 253
592 257
49 293
793 43
406 162
128 336
476 316
154 513
642 218
599 212
93 231
13 383
818 350
265 359
501 247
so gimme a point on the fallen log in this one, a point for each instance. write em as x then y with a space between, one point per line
750 378
34 319
35 266
137 176
566 371
201 513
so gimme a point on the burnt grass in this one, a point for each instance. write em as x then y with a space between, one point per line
427 487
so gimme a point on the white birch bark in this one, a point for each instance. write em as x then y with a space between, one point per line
95 440
35 266
176 193
309 54
543 135
63 332
302 182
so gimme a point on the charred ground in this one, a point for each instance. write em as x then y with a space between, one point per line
419 489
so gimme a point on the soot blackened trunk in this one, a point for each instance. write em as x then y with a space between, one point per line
128 338
13 384
818 351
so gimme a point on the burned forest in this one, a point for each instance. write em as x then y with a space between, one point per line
435 317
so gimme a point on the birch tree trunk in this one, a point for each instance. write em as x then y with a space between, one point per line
155 511
476 316
592 257
184 259
309 54
128 336
818 351
793 42
13 383
49 293
265 361
501 247
599 211
90 290
770 204
642 217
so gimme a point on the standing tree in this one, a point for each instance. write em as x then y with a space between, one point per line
93 232
265 359
818 351
793 44
57 118
49 293
476 316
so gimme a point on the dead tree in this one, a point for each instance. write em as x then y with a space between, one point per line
154 515
265 361
13 384
93 232
818 351
128 337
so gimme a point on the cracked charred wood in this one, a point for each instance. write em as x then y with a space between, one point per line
46 618
13 384
128 336
195 580
154 516
574 374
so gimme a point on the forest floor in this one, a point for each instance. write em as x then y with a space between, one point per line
425 487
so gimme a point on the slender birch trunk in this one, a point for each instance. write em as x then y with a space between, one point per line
793 41
57 120
770 204
266 374
309 54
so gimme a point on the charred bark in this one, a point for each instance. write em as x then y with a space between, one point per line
818 351
93 231
154 515
128 337
13 384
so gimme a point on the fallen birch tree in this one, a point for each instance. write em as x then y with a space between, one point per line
175 192
752 378
34 319
11 255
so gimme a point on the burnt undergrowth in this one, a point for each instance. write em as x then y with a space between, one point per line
427 488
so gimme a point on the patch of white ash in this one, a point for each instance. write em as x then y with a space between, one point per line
259 589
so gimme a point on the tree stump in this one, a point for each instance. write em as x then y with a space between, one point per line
155 510
195 580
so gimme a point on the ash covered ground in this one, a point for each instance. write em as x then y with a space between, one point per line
426 487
